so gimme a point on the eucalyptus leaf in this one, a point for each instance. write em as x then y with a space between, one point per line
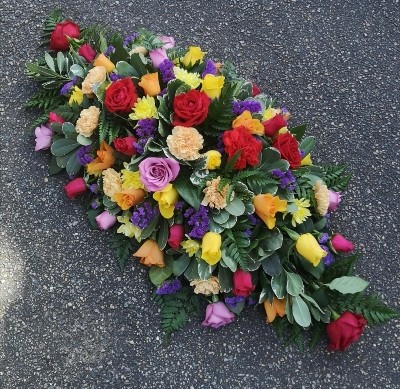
82 140
272 265
235 207
73 164
230 222
49 61
294 284
63 146
278 284
301 312
348 285
69 130
220 217
215 227
225 279
60 62
159 274
181 264
124 69
77 70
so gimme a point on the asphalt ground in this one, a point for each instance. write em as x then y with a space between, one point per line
69 319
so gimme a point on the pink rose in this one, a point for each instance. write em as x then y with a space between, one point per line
43 138
217 315
158 56
242 285
156 173
54 118
341 244
87 52
272 126
176 234
75 188
334 200
105 220
169 41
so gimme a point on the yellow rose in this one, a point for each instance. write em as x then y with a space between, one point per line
254 126
308 247
102 60
212 85
167 198
213 159
211 248
193 55
150 84
267 206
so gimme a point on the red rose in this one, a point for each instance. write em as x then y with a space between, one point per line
345 330
255 90
240 139
75 188
58 38
121 96
54 118
242 285
176 235
272 126
289 148
87 52
190 108
125 145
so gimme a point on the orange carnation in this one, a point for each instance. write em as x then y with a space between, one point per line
128 198
105 159
150 84
278 307
150 254
254 126
267 206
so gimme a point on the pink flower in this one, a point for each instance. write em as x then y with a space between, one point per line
217 315
87 52
54 118
334 200
176 235
169 41
43 137
242 283
156 173
105 220
75 188
341 244
158 56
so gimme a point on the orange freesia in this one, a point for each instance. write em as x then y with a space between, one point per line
150 84
128 198
102 60
150 254
278 307
267 206
254 126
105 159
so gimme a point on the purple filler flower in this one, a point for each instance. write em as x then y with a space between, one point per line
238 107
323 238
169 287
156 173
232 302
329 258
130 38
198 220
143 214
83 155
209 69
287 180
166 68
109 50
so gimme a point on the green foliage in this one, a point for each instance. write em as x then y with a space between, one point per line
49 24
316 331
124 247
235 245
39 120
288 332
228 71
175 309
149 40
335 178
94 34
343 266
68 113
46 99
369 306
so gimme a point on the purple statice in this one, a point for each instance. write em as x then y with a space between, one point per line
252 219
232 302
109 50
248 232
209 69
284 111
115 77
302 153
198 220
251 301
145 130
323 238
93 188
287 179
163 92
166 69
179 205
143 214
130 38
328 220
169 287
329 258
83 155
220 145
68 85
238 107
95 204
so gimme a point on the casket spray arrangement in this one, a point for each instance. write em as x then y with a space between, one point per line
199 176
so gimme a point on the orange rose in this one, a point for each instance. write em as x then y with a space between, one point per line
102 60
278 307
105 159
150 84
128 198
267 206
150 254
254 126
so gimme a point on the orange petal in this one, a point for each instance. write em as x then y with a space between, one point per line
270 311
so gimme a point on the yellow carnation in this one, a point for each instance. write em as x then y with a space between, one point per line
131 180
190 246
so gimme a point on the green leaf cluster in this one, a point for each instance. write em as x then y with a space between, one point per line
335 177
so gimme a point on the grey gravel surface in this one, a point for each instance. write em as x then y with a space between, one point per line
69 319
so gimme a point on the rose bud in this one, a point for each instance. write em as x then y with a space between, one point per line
255 90
54 118
86 51
345 330
158 56
334 200
150 84
176 235
125 145
308 247
105 220
169 41
58 38
217 315
341 244
43 138
75 188
242 285
150 254
272 126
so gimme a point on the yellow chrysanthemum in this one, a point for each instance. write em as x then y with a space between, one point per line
192 79
131 180
190 246
144 108
128 229
302 212
76 96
